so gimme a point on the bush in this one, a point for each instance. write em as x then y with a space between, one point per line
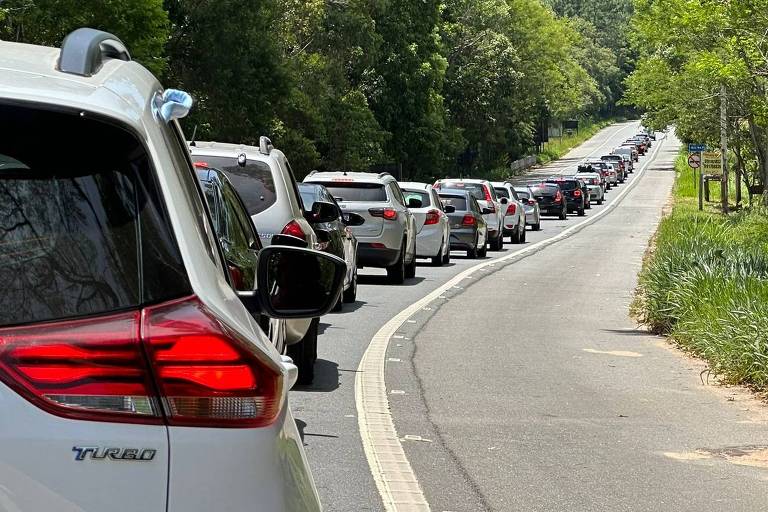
706 286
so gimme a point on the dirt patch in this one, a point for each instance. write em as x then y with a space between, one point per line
755 456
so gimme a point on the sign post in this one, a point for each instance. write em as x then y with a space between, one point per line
694 161
711 164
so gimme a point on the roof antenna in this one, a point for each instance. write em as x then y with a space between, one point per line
192 142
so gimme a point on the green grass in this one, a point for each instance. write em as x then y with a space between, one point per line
706 284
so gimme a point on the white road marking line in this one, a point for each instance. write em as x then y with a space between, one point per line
383 448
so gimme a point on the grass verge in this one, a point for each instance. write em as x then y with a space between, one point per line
705 285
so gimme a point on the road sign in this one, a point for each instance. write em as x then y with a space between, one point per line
694 160
696 148
711 163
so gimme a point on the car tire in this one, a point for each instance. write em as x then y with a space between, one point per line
304 354
581 212
437 261
472 253
396 272
350 294
447 256
600 201
522 238
483 252
563 215
588 205
338 306
410 269
495 245
537 226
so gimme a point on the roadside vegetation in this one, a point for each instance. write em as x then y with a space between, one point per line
435 87
559 146
706 285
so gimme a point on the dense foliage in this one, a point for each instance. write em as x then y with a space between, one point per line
688 51
706 285
433 86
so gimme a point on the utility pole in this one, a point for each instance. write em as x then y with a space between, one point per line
724 145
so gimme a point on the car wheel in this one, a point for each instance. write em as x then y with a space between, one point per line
581 213
337 307
483 252
410 269
563 215
447 256
350 294
304 354
472 253
537 226
496 244
438 260
588 205
600 201
522 237
396 273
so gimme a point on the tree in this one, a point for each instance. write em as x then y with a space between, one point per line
141 24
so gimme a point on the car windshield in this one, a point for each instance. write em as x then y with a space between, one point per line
417 194
544 189
476 189
523 194
253 181
502 192
81 235
458 202
567 184
356 192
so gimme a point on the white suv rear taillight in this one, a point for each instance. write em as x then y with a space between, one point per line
173 364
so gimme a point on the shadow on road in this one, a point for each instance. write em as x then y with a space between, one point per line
362 279
628 332
326 378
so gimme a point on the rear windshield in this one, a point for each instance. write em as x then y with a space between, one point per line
523 195
544 189
568 185
416 194
83 228
458 202
309 194
476 189
502 192
253 182
354 192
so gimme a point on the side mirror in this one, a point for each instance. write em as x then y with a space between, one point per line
353 219
289 240
486 211
414 202
449 208
298 283
323 212
504 200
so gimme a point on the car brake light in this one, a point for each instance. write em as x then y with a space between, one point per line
532 202
293 228
433 217
201 165
558 197
386 213
487 193
112 368
511 209
468 220
577 193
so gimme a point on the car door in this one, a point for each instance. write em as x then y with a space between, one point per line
444 221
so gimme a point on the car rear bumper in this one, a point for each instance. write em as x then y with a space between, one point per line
463 239
552 210
369 255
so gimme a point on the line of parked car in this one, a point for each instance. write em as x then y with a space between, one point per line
162 296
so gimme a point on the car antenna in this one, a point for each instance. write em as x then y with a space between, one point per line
345 173
192 142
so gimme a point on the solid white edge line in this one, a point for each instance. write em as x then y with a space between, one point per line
395 479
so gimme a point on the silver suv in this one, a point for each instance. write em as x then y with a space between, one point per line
387 238
118 319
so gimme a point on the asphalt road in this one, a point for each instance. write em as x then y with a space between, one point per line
513 411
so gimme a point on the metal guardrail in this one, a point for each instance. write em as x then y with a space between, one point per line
522 164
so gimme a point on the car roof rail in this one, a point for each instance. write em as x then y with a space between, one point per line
84 51
312 173
265 145
385 174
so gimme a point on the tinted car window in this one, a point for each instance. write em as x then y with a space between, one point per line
398 194
253 182
545 189
84 233
421 196
523 195
502 192
309 194
568 185
357 192
476 189
458 202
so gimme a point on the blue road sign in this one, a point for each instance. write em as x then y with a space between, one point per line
696 148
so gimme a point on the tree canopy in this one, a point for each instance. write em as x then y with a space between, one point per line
433 87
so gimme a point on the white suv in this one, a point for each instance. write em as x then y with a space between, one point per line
132 376
387 238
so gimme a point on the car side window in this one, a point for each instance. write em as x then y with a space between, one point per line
436 200
237 243
475 206
514 194
243 219
294 185
397 194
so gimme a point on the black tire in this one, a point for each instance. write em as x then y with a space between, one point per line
410 269
483 252
447 257
350 294
496 245
472 253
600 201
396 273
515 238
522 238
581 212
304 354
338 306
563 215
537 226
437 261
588 205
